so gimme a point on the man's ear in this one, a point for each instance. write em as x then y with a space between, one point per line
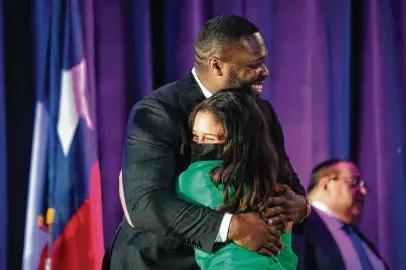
323 182
216 66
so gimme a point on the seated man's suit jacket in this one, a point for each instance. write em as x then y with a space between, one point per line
317 249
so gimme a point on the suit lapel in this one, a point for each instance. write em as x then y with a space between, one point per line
326 250
371 246
189 93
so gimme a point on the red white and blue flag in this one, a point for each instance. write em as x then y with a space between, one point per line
64 225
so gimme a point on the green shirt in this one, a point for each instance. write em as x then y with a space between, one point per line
195 186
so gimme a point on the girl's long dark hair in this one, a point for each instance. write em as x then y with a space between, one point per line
250 162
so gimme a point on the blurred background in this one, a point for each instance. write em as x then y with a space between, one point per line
337 82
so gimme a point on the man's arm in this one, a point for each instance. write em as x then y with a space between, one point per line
304 251
279 142
225 223
148 181
148 172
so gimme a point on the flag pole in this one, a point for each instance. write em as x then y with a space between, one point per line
50 221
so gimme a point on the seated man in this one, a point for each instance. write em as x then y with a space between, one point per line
330 239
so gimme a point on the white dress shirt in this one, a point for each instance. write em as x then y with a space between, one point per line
225 224
343 241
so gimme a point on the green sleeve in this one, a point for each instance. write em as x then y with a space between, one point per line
195 185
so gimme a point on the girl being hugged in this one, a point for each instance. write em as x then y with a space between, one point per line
235 169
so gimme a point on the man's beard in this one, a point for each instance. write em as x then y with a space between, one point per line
235 82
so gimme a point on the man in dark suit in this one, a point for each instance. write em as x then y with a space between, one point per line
230 52
330 239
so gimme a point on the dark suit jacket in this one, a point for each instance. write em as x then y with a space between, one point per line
157 149
316 248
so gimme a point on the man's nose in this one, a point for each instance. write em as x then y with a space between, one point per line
363 191
264 72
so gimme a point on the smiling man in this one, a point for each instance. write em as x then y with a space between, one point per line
230 53
230 59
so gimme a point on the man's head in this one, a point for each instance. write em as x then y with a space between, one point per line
230 53
338 185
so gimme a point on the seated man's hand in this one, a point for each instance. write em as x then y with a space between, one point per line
288 207
249 231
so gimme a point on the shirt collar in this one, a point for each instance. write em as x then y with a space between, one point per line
205 91
327 215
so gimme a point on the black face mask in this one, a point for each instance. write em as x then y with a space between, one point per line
206 151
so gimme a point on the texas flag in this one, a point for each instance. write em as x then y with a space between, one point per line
64 226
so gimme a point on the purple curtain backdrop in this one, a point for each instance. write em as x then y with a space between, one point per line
333 99
3 153
383 125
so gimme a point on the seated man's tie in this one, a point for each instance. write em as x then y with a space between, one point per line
359 247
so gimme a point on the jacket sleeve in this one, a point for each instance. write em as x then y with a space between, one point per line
149 161
279 141
304 251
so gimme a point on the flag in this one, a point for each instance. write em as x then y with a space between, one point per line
64 226
3 153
